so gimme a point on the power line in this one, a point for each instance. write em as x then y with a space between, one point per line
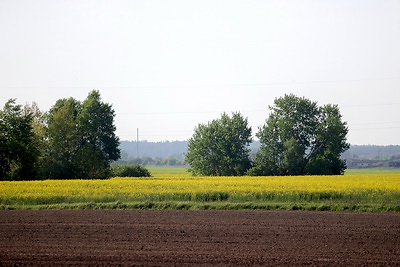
380 128
187 112
373 123
246 110
189 132
209 85
369 105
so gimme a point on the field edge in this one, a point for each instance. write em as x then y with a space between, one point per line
191 205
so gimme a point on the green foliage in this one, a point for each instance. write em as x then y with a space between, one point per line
293 160
18 150
301 138
220 148
164 170
169 161
191 205
62 136
39 130
134 170
81 139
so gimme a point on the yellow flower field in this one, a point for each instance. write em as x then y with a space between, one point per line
355 189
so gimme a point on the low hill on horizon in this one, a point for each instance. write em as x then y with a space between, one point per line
177 149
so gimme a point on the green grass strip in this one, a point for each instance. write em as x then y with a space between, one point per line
191 205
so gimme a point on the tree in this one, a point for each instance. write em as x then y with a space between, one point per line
81 139
39 125
18 152
62 140
98 144
330 143
300 137
220 147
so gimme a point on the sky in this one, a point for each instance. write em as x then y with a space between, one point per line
166 66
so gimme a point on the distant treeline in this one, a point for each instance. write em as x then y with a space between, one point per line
372 152
168 153
161 150
169 161
173 152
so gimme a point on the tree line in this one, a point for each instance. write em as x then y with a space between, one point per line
176 150
76 140
72 140
298 138
154 150
373 152
169 161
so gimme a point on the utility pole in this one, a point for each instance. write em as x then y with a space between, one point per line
137 142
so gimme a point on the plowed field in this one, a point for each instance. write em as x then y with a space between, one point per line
186 238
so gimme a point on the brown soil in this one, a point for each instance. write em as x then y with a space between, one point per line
183 238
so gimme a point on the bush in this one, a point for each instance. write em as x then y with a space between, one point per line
134 170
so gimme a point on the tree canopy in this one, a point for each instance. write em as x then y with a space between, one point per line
299 138
82 140
220 147
77 140
18 151
73 140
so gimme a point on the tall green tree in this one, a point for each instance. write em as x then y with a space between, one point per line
18 151
98 145
330 143
81 139
299 137
39 124
62 140
220 147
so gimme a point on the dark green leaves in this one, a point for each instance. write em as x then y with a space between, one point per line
301 138
220 147
18 151
82 140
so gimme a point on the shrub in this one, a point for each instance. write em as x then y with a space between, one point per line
134 170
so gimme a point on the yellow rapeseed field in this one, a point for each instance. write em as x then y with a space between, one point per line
380 189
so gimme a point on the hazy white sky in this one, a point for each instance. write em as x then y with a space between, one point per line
168 65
